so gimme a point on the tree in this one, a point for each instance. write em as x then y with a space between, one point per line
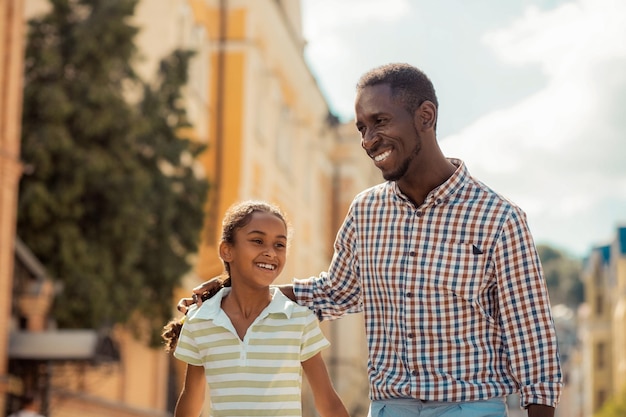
614 407
563 276
99 210
177 192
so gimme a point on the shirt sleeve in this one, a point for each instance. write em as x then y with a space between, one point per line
338 291
525 314
313 340
186 348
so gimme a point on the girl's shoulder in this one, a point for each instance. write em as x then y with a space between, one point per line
282 304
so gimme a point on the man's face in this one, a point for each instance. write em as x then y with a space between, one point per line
388 132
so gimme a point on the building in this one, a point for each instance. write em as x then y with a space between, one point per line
602 324
270 135
253 100
11 69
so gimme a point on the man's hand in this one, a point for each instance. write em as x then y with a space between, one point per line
200 293
538 410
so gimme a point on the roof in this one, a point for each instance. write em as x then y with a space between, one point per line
605 251
621 240
62 345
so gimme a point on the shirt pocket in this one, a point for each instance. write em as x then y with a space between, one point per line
457 268
457 271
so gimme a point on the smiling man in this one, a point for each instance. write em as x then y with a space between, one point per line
445 270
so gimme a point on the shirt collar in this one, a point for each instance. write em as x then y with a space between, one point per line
442 193
210 309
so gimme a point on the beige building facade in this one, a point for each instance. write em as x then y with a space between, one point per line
11 69
603 328
252 99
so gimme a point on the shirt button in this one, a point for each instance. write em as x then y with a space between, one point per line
419 213
411 335
409 294
439 201
412 253
414 372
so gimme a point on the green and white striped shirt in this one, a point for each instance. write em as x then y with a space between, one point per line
261 375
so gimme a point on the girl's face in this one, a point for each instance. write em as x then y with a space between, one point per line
258 254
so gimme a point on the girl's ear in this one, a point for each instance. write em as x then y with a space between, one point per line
225 252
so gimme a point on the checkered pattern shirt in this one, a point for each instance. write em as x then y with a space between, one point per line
455 303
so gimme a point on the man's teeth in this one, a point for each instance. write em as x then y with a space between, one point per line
382 156
267 266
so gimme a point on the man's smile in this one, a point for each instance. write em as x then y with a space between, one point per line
382 156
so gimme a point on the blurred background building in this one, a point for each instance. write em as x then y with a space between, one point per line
252 99
603 325
11 64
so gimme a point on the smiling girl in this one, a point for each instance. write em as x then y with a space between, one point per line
250 342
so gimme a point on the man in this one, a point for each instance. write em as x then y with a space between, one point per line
445 270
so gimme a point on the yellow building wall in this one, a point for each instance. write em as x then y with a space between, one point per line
253 101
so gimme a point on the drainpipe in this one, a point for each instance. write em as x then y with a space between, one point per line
219 121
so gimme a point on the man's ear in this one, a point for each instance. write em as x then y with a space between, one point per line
426 116
225 252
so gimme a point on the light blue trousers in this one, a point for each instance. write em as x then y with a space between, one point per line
495 407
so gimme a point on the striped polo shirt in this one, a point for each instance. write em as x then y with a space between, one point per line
262 374
455 302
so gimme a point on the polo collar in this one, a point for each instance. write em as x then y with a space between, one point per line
211 308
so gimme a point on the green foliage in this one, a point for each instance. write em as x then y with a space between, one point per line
563 276
177 197
100 211
614 407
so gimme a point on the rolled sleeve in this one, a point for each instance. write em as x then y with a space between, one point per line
529 331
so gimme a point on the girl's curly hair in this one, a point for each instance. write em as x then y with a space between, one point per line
171 331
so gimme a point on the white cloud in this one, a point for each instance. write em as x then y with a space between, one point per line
340 30
560 153
558 39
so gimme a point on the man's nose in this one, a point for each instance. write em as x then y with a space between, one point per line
368 140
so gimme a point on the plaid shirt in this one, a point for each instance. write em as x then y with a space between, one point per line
456 307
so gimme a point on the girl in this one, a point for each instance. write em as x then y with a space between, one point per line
249 341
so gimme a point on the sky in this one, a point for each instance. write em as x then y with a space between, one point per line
532 95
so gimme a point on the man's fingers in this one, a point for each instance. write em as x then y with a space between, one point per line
183 304
207 286
202 288
197 293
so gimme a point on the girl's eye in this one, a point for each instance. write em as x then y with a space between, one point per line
257 241
281 245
